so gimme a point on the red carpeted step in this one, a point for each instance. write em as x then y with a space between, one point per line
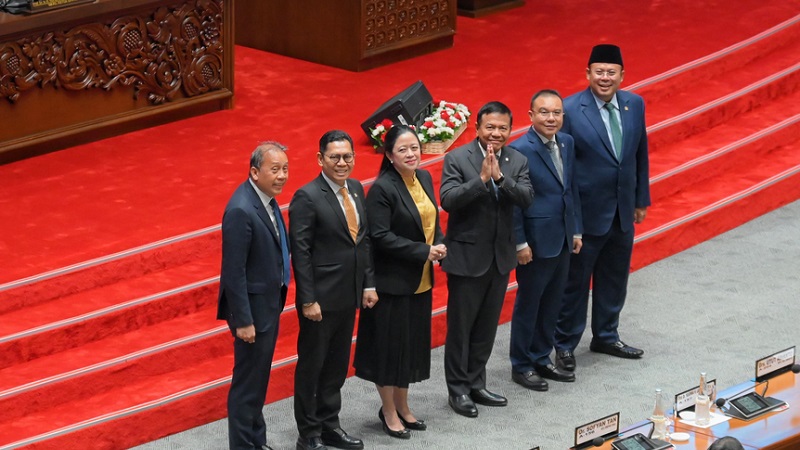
117 319
731 105
708 78
110 269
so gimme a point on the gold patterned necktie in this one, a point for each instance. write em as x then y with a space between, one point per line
349 213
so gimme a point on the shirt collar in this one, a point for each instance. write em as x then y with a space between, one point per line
601 103
483 150
334 187
543 139
265 199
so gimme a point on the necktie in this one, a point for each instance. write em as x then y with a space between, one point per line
555 154
349 213
616 129
282 234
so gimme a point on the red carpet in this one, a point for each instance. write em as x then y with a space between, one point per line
111 347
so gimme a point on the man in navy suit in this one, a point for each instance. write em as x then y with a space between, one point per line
252 289
612 171
547 232
333 271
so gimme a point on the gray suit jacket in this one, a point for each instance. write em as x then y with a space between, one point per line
480 224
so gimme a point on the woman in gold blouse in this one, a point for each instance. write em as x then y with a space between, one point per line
394 337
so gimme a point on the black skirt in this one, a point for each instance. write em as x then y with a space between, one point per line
393 347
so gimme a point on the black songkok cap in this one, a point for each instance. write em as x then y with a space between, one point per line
605 53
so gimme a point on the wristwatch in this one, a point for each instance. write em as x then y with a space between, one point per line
500 180
306 305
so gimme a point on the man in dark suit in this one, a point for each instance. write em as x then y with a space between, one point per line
252 289
547 232
612 169
481 183
333 274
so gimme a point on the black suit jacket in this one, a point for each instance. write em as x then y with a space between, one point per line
480 225
250 282
396 233
329 268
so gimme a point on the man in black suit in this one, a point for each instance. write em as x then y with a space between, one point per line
333 273
481 183
252 289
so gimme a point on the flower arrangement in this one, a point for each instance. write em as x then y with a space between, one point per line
437 132
445 123
378 134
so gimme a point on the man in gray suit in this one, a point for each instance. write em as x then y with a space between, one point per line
252 289
481 183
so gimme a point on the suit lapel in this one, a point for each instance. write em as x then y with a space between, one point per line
333 202
359 203
544 153
262 212
627 126
592 114
405 196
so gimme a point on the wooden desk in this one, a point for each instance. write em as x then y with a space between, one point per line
93 70
351 34
697 441
779 430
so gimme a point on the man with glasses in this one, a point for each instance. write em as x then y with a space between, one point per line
333 276
547 232
612 169
482 182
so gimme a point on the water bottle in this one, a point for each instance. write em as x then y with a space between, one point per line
702 404
658 418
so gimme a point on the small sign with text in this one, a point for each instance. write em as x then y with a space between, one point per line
605 427
777 362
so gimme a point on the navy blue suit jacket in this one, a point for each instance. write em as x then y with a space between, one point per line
554 217
250 282
607 185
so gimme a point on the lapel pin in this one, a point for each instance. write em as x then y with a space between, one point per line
626 108
355 195
506 158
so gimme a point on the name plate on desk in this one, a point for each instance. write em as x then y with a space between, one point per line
685 400
604 428
775 364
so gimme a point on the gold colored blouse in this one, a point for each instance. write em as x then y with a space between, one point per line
427 212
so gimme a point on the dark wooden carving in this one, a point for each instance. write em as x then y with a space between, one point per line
391 22
176 49
351 34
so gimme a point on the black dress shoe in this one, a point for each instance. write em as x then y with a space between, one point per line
529 380
400 434
419 425
463 405
339 439
618 349
566 360
486 398
312 443
552 372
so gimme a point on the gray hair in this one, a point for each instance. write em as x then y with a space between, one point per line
257 157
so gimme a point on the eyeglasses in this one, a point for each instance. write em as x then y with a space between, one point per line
544 114
347 157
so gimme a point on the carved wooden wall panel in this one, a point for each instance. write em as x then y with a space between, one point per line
170 52
392 22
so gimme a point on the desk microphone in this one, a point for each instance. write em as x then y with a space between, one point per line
796 368
598 442
721 402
